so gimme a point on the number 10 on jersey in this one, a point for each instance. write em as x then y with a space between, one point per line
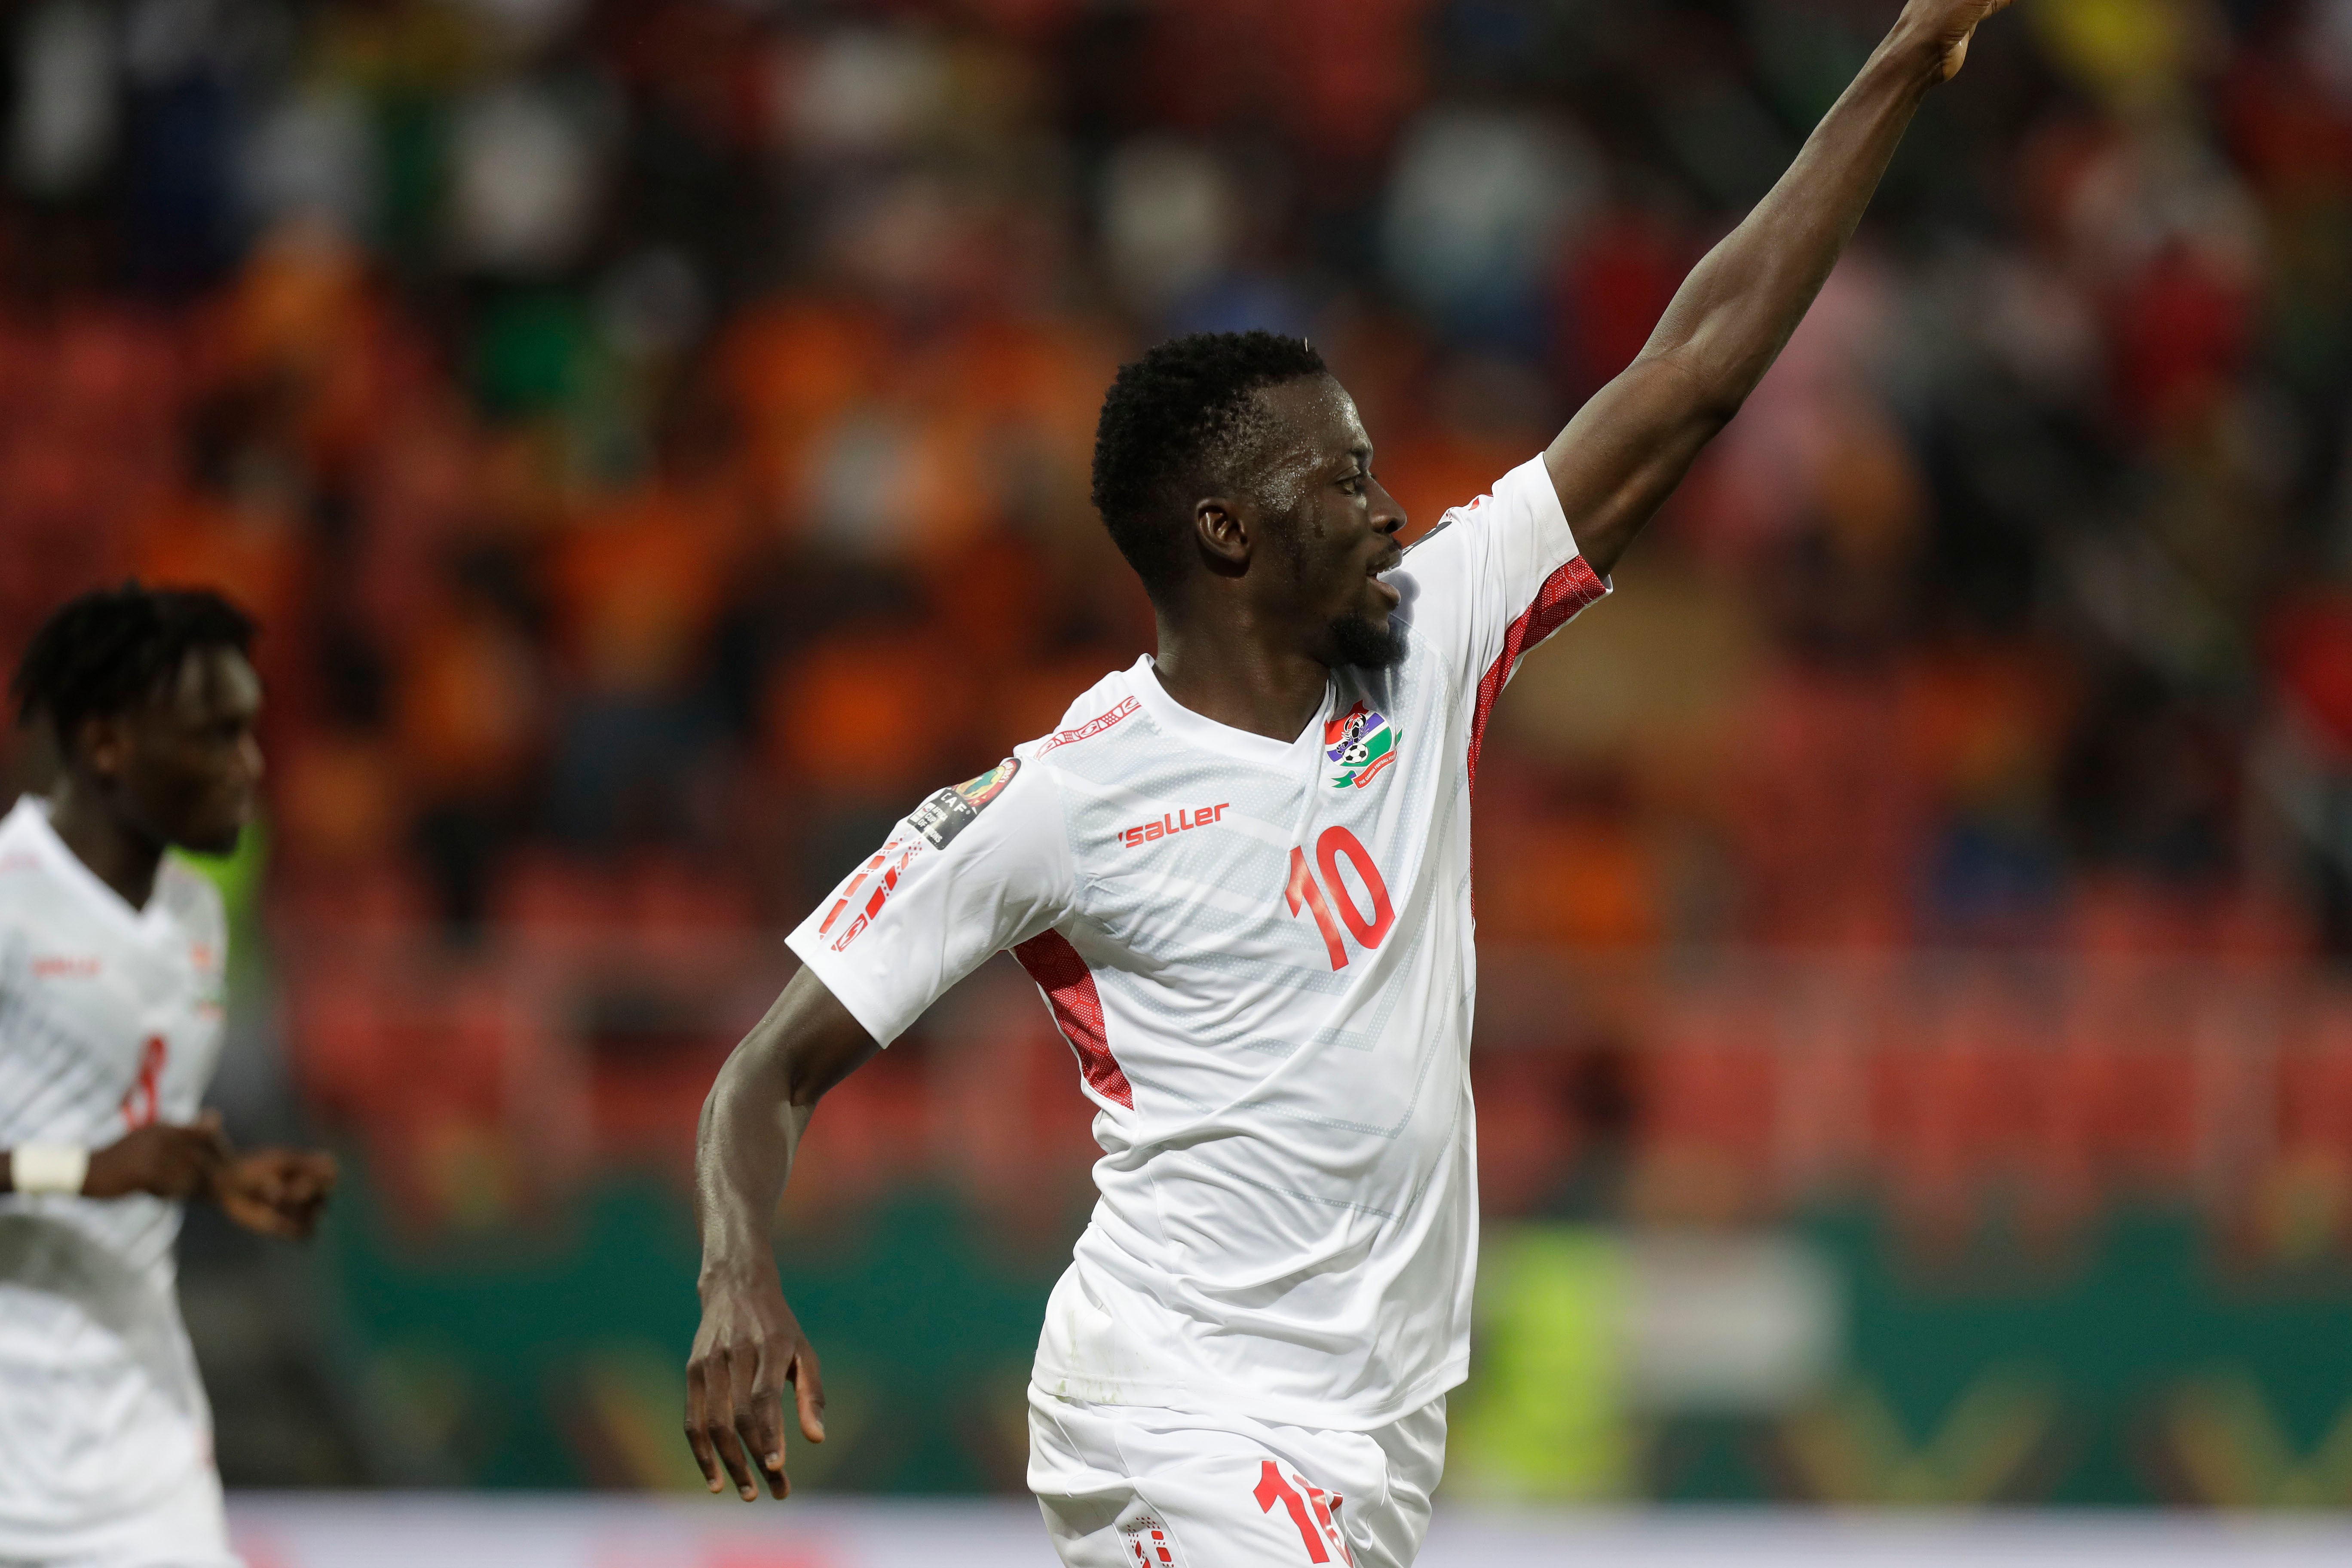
1331 893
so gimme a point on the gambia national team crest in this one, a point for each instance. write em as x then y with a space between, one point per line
1360 745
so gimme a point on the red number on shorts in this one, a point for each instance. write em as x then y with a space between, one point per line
142 1099
1272 1489
1304 891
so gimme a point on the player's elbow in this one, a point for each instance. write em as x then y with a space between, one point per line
818 1055
804 1080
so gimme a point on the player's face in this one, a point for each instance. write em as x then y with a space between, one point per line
187 764
1340 525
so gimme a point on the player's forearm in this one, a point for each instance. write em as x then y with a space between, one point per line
1736 312
749 1132
162 1160
756 1113
1629 446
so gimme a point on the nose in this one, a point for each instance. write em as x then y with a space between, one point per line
1387 516
248 755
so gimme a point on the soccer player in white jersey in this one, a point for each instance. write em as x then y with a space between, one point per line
112 957
1240 875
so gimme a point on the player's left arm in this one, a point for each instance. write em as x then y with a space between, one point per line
1629 447
750 1346
975 868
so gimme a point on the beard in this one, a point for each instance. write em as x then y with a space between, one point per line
1356 642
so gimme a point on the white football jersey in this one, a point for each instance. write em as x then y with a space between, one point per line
1261 951
109 1018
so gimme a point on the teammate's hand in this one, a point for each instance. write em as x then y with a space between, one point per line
748 1347
166 1158
276 1191
1953 23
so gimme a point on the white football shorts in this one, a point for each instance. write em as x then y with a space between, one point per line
182 1529
1127 1486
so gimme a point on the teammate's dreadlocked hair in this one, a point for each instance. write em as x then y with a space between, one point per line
1171 419
113 647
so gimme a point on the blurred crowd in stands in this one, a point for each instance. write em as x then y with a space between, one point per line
655 435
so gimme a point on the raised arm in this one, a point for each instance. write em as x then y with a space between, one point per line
1627 448
749 1345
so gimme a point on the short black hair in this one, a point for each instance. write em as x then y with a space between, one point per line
1172 413
108 650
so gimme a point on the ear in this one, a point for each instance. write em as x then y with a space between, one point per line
102 744
1223 537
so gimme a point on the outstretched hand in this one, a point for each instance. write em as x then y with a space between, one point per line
1955 23
748 1347
276 1191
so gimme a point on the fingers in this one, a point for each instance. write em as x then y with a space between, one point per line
1958 55
761 1424
731 1371
279 1191
284 1216
744 1355
302 1214
697 1434
734 1413
267 1192
808 1393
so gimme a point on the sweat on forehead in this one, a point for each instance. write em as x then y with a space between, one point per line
1295 431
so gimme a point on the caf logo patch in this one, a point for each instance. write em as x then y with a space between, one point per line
949 812
1360 745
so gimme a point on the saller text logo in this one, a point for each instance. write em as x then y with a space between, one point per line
1171 824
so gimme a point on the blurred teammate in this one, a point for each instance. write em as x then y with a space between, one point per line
113 956
1240 873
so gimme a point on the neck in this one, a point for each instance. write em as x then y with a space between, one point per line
1240 680
119 857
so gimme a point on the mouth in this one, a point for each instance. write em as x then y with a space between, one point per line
1374 573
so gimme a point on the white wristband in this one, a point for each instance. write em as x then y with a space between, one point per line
48 1168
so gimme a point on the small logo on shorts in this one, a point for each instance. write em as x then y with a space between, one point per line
1360 745
1149 1542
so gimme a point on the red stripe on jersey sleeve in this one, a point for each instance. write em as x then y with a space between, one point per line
1564 593
1069 986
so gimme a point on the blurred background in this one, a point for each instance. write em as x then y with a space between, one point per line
1915 1050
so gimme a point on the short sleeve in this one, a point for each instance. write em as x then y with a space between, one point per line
1495 577
974 869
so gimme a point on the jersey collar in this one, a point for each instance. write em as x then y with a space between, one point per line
1191 728
31 819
